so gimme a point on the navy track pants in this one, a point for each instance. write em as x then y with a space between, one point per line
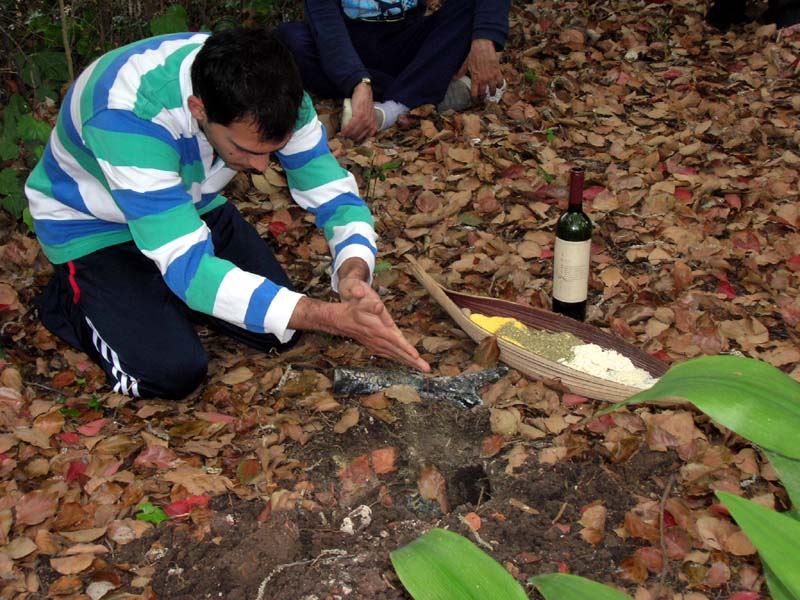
114 305
410 61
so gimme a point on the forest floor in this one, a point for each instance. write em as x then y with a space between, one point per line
689 141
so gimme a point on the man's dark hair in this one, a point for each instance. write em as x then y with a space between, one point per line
242 74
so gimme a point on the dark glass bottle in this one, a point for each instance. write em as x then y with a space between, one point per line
572 254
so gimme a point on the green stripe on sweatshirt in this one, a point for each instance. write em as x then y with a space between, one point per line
159 85
86 162
123 149
345 215
316 172
306 112
87 95
208 278
153 231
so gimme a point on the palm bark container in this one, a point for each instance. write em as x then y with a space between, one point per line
533 365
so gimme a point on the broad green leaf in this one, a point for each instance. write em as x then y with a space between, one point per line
775 535
52 66
27 218
174 20
9 148
561 586
31 129
383 265
470 218
151 513
789 471
776 589
748 396
12 194
442 565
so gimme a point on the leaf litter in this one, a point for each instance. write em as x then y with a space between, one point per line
688 139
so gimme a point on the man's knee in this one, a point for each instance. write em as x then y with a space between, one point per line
168 377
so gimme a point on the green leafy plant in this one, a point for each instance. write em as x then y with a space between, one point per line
373 174
760 403
442 565
151 513
562 586
174 20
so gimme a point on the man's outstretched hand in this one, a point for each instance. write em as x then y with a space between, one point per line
483 66
361 315
363 124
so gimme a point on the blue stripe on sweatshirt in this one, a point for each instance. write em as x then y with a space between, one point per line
355 239
56 232
262 297
66 120
296 161
142 204
327 210
125 121
182 270
64 187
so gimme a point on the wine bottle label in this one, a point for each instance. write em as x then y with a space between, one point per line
571 270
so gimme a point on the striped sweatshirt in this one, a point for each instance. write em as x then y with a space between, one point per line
127 161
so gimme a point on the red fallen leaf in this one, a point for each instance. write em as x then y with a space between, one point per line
745 596
248 470
185 506
277 227
491 445
726 288
683 195
662 355
63 379
591 193
547 253
92 428
514 172
156 456
571 400
383 460
719 509
563 568
601 424
69 438
662 167
671 74
544 24
733 200
76 469
215 417
623 78
793 264
669 520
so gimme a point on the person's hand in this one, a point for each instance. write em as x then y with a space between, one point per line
483 66
363 124
364 317
361 315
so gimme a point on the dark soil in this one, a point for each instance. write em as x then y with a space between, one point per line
529 516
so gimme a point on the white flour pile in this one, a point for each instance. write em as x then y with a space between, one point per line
608 364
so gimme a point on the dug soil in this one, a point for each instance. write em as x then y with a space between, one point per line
528 515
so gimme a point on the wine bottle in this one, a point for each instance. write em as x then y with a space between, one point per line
572 254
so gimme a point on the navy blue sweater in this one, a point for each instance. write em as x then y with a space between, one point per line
340 60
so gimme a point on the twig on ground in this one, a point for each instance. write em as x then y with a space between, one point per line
327 555
475 533
560 512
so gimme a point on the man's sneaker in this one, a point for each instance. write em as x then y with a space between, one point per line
457 96
347 114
